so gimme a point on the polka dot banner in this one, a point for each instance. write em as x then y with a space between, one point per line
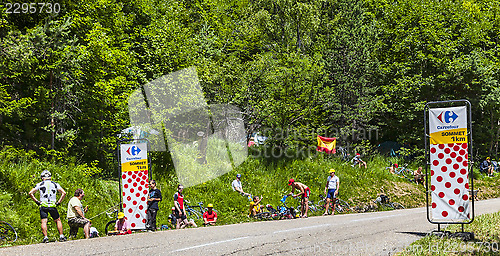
449 186
134 199
134 182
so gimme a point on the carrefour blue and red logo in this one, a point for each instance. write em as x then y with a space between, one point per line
133 151
447 117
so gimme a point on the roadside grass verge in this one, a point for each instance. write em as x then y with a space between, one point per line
486 229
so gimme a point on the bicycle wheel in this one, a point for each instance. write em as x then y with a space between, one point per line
397 206
342 206
110 226
192 213
263 215
7 233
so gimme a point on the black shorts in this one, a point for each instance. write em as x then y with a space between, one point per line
45 211
180 216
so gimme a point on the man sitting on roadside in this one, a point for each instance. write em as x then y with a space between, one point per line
210 216
357 161
419 176
486 167
255 206
236 185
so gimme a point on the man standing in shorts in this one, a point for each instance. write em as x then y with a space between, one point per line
304 193
153 198
180 211
48 202
76 215
331 191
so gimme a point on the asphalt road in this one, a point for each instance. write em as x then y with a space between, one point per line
379 233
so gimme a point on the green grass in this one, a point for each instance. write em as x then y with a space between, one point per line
265 177
486 229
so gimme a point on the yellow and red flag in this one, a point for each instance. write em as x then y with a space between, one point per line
326 144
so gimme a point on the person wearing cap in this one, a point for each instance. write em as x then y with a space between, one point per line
304 193
331 191
122 227
154 197
486 167
210 216
48 202
357 161
180 211
76 215
236 185
393 168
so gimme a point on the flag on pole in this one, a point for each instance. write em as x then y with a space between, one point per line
326 144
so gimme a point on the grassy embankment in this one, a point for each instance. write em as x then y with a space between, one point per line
266 177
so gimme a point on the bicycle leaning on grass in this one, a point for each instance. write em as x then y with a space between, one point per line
385 201
7 233
401 171
195 211
341 206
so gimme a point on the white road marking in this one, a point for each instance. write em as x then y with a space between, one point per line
295 229
218 242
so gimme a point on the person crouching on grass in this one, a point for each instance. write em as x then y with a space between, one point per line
122 227
210 216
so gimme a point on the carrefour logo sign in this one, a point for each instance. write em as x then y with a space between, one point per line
447 117
133 151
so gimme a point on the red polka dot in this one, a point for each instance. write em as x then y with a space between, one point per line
453 154
129 180
124 205
135 184
432 172
434 205
466 156
456 191
448 161
466 185
456 148
444 168
447 150
125 186
137 216
439 178
462 152
143 220
124 176
132 190
134 203
465 164
465 197
433 150
137 195
461 209
450 145
452 175
435 162
464 145
129 198
460 180
456 166
433 187
142 182
141 207
145 172
440 155
134 176
138 179
133 225
451 202
123 193
147 185
143 199
441 194
463 171
447 184
441 146
459 159
445 213
130 210
145 191
139 188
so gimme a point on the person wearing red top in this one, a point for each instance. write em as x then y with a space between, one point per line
210 216
180 211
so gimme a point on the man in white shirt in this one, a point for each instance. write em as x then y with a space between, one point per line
76 215
331 190
236 185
